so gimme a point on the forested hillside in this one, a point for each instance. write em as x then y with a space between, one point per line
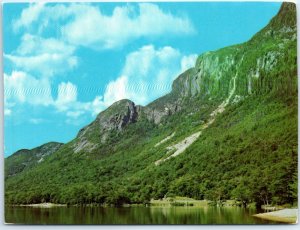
227 130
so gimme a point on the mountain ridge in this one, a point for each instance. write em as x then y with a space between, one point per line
188 79
25 158
257 83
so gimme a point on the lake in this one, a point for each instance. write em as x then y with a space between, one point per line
132 215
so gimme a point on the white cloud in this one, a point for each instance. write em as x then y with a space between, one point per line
67 94
116 90
7 112
34 45
188 62
100 31
23 88
44 57
67 102
7 106
97 105
28 16
39 17
74 114
148 73
88 26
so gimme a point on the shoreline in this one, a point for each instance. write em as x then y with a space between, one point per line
288 216
41 205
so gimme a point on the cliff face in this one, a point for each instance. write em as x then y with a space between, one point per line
258 66
117 116
114 119
264 54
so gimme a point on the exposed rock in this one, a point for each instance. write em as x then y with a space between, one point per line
84 144
115 118
164 140
211 78
118 115
156 113
179 147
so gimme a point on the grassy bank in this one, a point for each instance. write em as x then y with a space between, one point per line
186 201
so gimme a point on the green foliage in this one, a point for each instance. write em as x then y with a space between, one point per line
249 154
255 159
24 159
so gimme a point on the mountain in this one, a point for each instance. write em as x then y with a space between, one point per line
227 130
115 118
25 158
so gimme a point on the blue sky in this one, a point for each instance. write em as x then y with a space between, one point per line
65 63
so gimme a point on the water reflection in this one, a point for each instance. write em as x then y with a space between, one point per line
131 215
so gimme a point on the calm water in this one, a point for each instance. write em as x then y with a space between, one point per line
131 215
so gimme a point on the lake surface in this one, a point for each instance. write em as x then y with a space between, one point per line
132 215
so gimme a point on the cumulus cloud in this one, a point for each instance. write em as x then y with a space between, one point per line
28 16
67 102
148 73
86 25
101 31
188 61
116 90
67 94
23 88
45 57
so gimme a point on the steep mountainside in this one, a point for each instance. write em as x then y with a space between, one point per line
114 119
227 130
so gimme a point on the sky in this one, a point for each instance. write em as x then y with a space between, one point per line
65 63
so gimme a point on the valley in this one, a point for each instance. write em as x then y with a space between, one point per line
226 131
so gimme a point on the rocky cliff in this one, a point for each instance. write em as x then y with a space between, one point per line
256 66
214 71
114 119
